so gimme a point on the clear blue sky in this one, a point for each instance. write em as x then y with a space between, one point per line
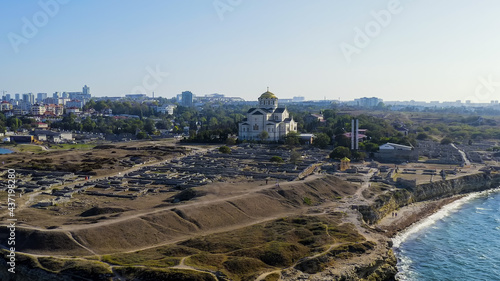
428 50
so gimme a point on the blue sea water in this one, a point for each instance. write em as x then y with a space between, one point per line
460 242
5 151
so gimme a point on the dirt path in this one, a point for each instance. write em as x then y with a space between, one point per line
79 244
264 275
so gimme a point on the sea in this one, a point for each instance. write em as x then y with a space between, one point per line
5 151
459 242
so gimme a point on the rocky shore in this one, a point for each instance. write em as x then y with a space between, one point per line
413 205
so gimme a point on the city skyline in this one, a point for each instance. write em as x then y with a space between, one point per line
393 50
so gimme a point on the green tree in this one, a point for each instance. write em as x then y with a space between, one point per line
213 123
149 126
295 157
371 147
163 124
263 136
341 140
422 136
292 138
321 140
340 152
142 135
14 123
358 155
231 141
88 125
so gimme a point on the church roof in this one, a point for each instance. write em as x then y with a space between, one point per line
280 110
257 113
251 109
268 95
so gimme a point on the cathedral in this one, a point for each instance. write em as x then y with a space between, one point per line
268 117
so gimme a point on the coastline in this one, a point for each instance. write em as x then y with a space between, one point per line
413 213
375 259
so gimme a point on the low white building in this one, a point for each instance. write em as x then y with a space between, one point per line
166 109
394 146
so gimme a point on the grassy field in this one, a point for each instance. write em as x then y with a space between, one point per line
245 253
78 146
28 148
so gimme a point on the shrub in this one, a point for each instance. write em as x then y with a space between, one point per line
307 201
276 159
225 149
446 141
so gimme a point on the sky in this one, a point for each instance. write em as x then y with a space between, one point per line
323 49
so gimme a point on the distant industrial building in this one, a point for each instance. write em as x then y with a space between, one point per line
367 102
136 97
217 98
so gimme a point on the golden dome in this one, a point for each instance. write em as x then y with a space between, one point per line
268 95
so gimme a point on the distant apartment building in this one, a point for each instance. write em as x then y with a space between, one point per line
23 105
55 109
5 106
86 90
74 110
29 98
367 102
17 97
187 99
74 103
84 97
20 111
37 109
40 97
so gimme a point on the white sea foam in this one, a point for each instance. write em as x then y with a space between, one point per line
404 262
432 219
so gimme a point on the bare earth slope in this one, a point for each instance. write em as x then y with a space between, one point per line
175 223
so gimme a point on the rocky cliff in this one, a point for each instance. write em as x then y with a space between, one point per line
391 201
